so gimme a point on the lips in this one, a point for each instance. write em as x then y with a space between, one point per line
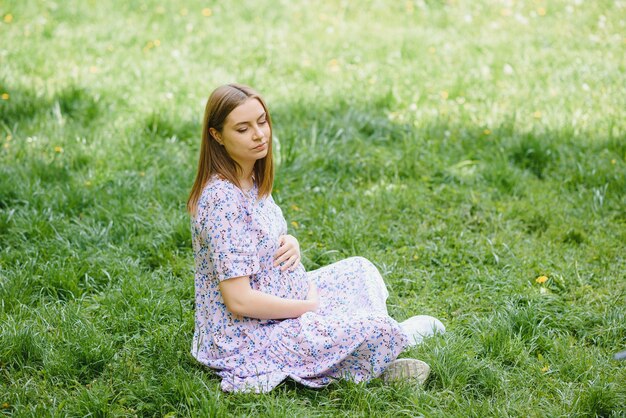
260 146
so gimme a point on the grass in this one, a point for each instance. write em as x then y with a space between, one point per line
466 148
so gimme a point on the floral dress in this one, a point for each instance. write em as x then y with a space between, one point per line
350 336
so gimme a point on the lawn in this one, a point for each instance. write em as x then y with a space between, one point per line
475 151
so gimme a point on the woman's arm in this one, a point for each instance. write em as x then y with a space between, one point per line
242 300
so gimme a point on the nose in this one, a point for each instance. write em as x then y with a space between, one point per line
258 133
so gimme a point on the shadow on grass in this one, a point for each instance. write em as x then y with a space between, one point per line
344 133
162 127
35 113
73 104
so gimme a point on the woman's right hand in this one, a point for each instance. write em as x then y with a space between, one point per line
313 297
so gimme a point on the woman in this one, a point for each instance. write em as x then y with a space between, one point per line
260 318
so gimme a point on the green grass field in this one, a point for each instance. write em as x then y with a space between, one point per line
475 151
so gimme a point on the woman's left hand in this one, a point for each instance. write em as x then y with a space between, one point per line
288 254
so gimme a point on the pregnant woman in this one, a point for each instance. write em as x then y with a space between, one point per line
259 316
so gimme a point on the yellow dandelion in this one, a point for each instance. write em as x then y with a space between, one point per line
9 137
6 145
537 114
93 69
110 48
5 405
87 183
444 95
333 65
545 368
5 96
541 279
58 149
294 207
295 224
206 12
415 257
487 132
142 173
432 49
149 46
409 6
184 11
506 12
160 10
157 42
8 18
541 11
613 161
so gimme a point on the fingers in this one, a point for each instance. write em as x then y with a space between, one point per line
287 261
285 250
293 264
312 293
280 253
290 263
288 255
312 290
283 255
283 246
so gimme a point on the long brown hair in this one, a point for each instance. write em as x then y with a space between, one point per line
213 157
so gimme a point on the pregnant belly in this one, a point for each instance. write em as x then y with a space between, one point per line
284 284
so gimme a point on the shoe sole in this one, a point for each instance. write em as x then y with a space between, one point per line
406 369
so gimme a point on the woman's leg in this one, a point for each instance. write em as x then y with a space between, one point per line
350 285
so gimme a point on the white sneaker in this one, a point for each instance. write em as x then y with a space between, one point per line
406 369
416 328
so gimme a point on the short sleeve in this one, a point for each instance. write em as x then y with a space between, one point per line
225 221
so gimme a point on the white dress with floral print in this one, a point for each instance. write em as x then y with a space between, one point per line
350 336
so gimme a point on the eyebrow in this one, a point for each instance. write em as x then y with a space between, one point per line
247 122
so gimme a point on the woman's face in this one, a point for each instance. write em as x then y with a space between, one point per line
246 133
